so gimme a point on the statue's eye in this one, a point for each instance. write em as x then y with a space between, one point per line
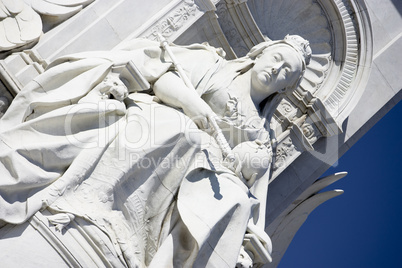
277 58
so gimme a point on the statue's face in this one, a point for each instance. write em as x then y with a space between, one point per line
279 66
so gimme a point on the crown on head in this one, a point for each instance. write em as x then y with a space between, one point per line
301 45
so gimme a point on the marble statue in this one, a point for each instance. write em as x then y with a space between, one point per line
116 142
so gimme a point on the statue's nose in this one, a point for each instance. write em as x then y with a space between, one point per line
276 68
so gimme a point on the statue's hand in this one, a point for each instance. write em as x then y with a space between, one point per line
252 160
200 112
112 85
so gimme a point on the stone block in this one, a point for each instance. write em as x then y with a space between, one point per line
388 61
128 14
380 35
377 93
15 63
388 14
28 73
355 136
90 39
279 190
62 36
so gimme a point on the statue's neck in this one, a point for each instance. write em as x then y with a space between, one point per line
243 88
257 98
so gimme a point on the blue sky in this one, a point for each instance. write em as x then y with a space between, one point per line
363 226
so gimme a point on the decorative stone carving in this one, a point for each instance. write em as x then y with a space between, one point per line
308 131
173 21
230 30
238 25
356 57
20 68
283 153
286 107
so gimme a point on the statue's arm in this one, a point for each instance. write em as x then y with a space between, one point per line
172 91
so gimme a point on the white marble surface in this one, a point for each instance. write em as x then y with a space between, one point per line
103 18
22 253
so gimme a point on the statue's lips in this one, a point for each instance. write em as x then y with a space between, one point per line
267 76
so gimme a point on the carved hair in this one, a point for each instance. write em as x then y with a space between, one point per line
301 45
